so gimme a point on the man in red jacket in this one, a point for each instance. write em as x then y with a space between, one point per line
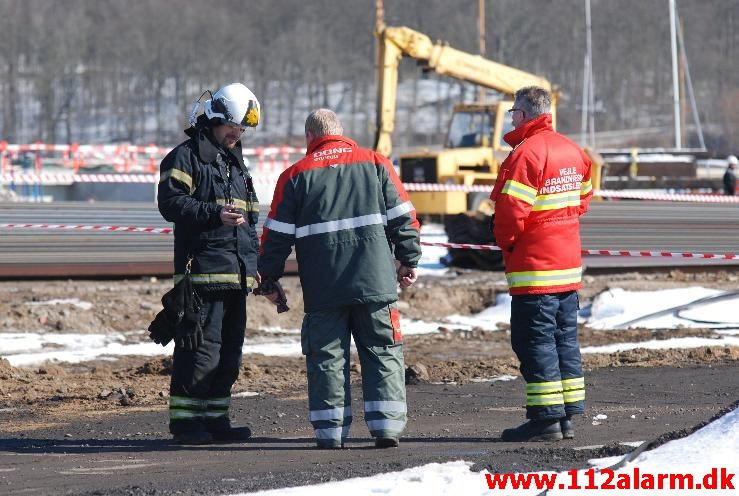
543 187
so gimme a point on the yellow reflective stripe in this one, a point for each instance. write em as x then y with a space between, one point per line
247 206
573 396
570 384
215 279
557 200
184 414
586 187
209 278
544 387
175 401
224 413
179 175
544 277
219 402
520 191
544 399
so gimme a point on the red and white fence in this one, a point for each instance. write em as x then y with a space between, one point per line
124 158
139 164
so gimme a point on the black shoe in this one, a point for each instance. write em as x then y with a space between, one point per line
534 430
231 434
565 424
328 444
386 442
193 437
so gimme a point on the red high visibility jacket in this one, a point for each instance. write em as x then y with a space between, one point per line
543 188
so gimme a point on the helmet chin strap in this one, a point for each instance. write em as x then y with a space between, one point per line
195 106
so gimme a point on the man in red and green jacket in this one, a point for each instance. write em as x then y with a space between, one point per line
345 210
542 189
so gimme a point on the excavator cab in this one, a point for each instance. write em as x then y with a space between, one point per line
472 152
474 125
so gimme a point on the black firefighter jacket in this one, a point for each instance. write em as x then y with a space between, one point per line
197 178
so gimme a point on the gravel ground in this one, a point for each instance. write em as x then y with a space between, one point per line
112 413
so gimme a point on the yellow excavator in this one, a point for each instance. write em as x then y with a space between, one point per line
474 146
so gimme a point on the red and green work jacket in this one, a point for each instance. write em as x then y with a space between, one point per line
542 189
345 210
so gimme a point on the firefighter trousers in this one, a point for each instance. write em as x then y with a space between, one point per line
200 390
544 337
325 340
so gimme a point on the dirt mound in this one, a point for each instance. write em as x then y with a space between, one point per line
598 337
159 366
642 357
461 372
455 297
7 371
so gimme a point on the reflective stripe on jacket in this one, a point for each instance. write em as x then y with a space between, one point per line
542 189
197 178
347 213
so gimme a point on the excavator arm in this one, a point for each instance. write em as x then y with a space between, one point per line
396 42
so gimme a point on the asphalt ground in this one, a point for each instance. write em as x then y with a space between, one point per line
129 453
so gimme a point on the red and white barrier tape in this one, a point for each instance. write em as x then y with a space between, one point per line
168 230
474 188
651 195
65 179
636 195
633 253
613 253
152 230
61 178
52 179
128 148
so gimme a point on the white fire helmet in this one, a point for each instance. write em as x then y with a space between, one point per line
234 104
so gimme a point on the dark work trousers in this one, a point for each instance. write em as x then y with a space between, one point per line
200 391
544 337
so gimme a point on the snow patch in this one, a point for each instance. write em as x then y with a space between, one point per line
84 305
429 264
489 318
244 394
616 307
714 446
664 344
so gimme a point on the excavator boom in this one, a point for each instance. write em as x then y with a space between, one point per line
396 42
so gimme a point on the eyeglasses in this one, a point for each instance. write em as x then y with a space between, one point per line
514 109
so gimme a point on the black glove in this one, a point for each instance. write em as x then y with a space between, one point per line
189 338
180 319
269 286
161 330
190 331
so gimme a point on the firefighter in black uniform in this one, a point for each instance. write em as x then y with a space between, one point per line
206 190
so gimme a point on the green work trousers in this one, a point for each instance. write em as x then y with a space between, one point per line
325 338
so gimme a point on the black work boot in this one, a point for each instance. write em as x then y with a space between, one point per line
228 434
328 444
534 430
193 437
386 442
565 424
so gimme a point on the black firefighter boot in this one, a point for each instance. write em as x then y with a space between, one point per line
534 430
565 424
193 437
224 432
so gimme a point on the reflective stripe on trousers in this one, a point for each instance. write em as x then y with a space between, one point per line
186 408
